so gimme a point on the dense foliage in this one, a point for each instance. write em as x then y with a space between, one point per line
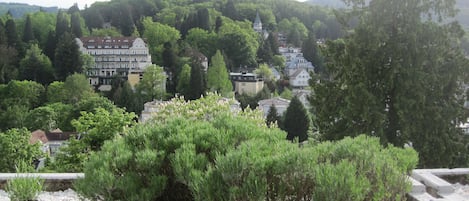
15 148
397 76
202 150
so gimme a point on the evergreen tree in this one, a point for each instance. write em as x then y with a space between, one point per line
311 52
126 25
230 10
196 83
12 35
73 9
8 61
62 25
3 36
50 46
28 34
218 78
126 98
296 121
169 63
76 25
218 24
399 80
273 41
203 19
272 116
265 53
67 57
183 86
36 66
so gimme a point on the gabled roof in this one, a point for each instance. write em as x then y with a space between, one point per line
258 18
38 135
274 101
298 71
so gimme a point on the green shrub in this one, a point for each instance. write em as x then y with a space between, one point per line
21 189
350 169
191 151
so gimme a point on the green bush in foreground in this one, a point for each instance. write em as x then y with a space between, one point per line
195 152
22 189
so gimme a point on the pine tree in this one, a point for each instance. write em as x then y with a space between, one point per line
67 57
51 44
203 19
196 83
169 63
296 121
127 25
230 10
62 25
12 34
28 34
3 36
311 52
218 24
272 116
76 25
183 86
217 76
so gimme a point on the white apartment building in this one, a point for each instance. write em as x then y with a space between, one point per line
124 57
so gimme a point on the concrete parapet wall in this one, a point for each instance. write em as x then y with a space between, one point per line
52 181
427 185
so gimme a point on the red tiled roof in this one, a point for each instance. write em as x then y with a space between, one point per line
38 135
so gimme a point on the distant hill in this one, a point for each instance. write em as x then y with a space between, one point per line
462 5
18 9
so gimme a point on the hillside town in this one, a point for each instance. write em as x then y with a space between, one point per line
235 100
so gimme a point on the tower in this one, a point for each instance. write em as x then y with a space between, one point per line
257 23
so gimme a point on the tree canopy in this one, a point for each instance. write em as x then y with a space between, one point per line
397 76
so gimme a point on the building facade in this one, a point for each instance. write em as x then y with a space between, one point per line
122 57
280 105
246 83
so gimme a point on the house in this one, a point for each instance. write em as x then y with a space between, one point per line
246 83
303 96
51 140
276 75
57 138
124 57
39 136
300 78
294 60
280 105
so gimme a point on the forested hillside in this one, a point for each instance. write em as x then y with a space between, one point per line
386 76
18 10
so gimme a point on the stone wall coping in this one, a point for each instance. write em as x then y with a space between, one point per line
46 176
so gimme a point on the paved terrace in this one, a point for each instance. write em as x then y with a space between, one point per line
427 185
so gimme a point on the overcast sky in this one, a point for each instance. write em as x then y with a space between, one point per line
59 3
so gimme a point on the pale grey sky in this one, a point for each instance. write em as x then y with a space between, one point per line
59 3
